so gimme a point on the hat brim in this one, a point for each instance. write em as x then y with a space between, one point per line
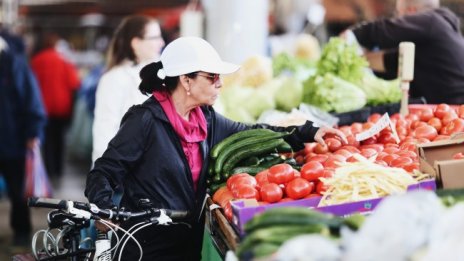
221 68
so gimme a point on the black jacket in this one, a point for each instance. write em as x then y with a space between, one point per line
147 159
439 67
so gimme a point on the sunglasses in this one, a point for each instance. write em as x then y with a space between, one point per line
212 76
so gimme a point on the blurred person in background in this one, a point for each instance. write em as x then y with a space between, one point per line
22 120
160 152
136 42
438 67
58 80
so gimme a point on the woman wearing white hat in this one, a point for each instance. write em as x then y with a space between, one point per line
161 151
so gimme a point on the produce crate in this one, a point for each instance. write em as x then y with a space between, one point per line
243 211
224 237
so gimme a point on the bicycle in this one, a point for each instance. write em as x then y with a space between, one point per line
70 217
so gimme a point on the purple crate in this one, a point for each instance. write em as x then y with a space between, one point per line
242 213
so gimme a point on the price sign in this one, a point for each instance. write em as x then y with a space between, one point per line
381 124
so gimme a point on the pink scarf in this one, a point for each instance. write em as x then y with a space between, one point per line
190 132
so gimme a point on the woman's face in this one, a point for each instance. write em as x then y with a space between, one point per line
149 47
205 88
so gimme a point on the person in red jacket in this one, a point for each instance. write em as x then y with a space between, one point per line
58 80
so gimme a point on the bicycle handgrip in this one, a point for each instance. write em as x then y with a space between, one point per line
176 214
47 203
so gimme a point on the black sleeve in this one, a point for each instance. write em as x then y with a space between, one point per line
389 33
122 154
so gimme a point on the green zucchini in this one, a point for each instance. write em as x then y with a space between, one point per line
291 216
284 148
239 145
236 137
270 163
248 151
251 161
252 170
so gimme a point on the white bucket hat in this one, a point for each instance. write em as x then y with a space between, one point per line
191 54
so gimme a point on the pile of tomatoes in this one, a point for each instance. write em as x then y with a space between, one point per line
420 126
282 183
279 183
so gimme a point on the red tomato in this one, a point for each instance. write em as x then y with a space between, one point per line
321 149
312 171
401 162
391 145
261 178
381 163
449 117
346 130
401 131
352 141
299 159
285 200
455 126
374 117
296 174
460 111
271 193
386 138
220 194
280 173
321 188
369 141
246 191
367 125
411 167
228 211
299 188
309 147
408 154
441 110
409 145
426 131
351 149
333 144
240 179
351 159
344 152
334 161
356 127
458 155
390 158
368 153
426 114
320 158
391 150
225 198
436 123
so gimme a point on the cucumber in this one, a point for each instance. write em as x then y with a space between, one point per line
211 169
291 216
270 163
252 161
235 137
277 235
240 144
248 151
252 170
284 148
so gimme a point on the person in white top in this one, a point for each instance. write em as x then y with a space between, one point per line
136 42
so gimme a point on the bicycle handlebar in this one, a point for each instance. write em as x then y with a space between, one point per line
114 215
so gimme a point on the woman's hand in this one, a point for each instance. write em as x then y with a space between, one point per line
319 137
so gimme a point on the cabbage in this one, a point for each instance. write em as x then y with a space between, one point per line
343 60
380 91
331 93
253 72
285 63
290 94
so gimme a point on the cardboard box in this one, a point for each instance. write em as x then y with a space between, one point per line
435 158
244 210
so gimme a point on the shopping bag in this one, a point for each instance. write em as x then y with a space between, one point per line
37 182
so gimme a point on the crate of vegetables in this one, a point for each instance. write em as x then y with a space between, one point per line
355 187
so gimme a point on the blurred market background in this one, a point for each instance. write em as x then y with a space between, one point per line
270 38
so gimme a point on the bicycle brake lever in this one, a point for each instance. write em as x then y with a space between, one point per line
163 219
